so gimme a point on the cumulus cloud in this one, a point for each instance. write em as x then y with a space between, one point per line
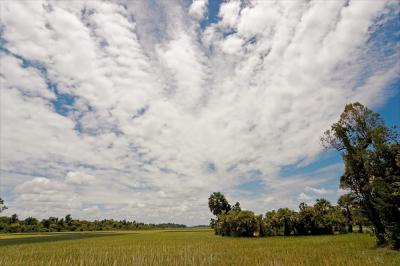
229 13
134 109
198 8
44 194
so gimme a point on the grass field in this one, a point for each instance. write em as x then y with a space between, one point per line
189 247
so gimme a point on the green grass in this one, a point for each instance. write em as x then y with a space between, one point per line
189 247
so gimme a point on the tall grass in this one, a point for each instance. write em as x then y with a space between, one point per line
185 247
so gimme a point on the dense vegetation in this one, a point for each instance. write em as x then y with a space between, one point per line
371 154
189 247
318 219
53 224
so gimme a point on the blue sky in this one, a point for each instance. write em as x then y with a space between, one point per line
138 110
212 14
390 109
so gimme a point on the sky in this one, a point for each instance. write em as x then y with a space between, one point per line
139 110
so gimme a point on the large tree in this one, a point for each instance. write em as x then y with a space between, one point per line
372 168
218 204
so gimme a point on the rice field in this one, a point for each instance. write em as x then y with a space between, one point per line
189 247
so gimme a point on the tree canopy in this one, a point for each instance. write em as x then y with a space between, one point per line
218 204
371 154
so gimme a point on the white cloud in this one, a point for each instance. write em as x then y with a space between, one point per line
157 100
304 197
198 8
77 178
27 80
232 45
43 194
229 13
319 191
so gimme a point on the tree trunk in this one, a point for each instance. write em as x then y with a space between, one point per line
373 214
360 228
261 229
349 220
286 228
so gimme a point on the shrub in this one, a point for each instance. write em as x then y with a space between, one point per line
236 223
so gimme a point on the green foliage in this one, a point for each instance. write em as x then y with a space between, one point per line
372 170
231 221
271 223
218 204
280 222
287 219
346 203
321 218
236 207
236 223
54 224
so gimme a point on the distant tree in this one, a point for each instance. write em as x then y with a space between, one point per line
286 219
53 224
323 210
46 223
372 167
237 223
218 204
337 220
68 219
232 221
261 226
346 204
60 225
30 224
321 218
236 207
2 206
14 218
272 223
360 219
31 221
306 220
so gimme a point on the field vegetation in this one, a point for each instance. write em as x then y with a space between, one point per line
189 247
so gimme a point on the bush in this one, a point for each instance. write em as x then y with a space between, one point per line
236 223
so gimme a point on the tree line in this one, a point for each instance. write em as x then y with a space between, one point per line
13 224
320 218
371 155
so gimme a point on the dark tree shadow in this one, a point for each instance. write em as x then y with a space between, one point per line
52 238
